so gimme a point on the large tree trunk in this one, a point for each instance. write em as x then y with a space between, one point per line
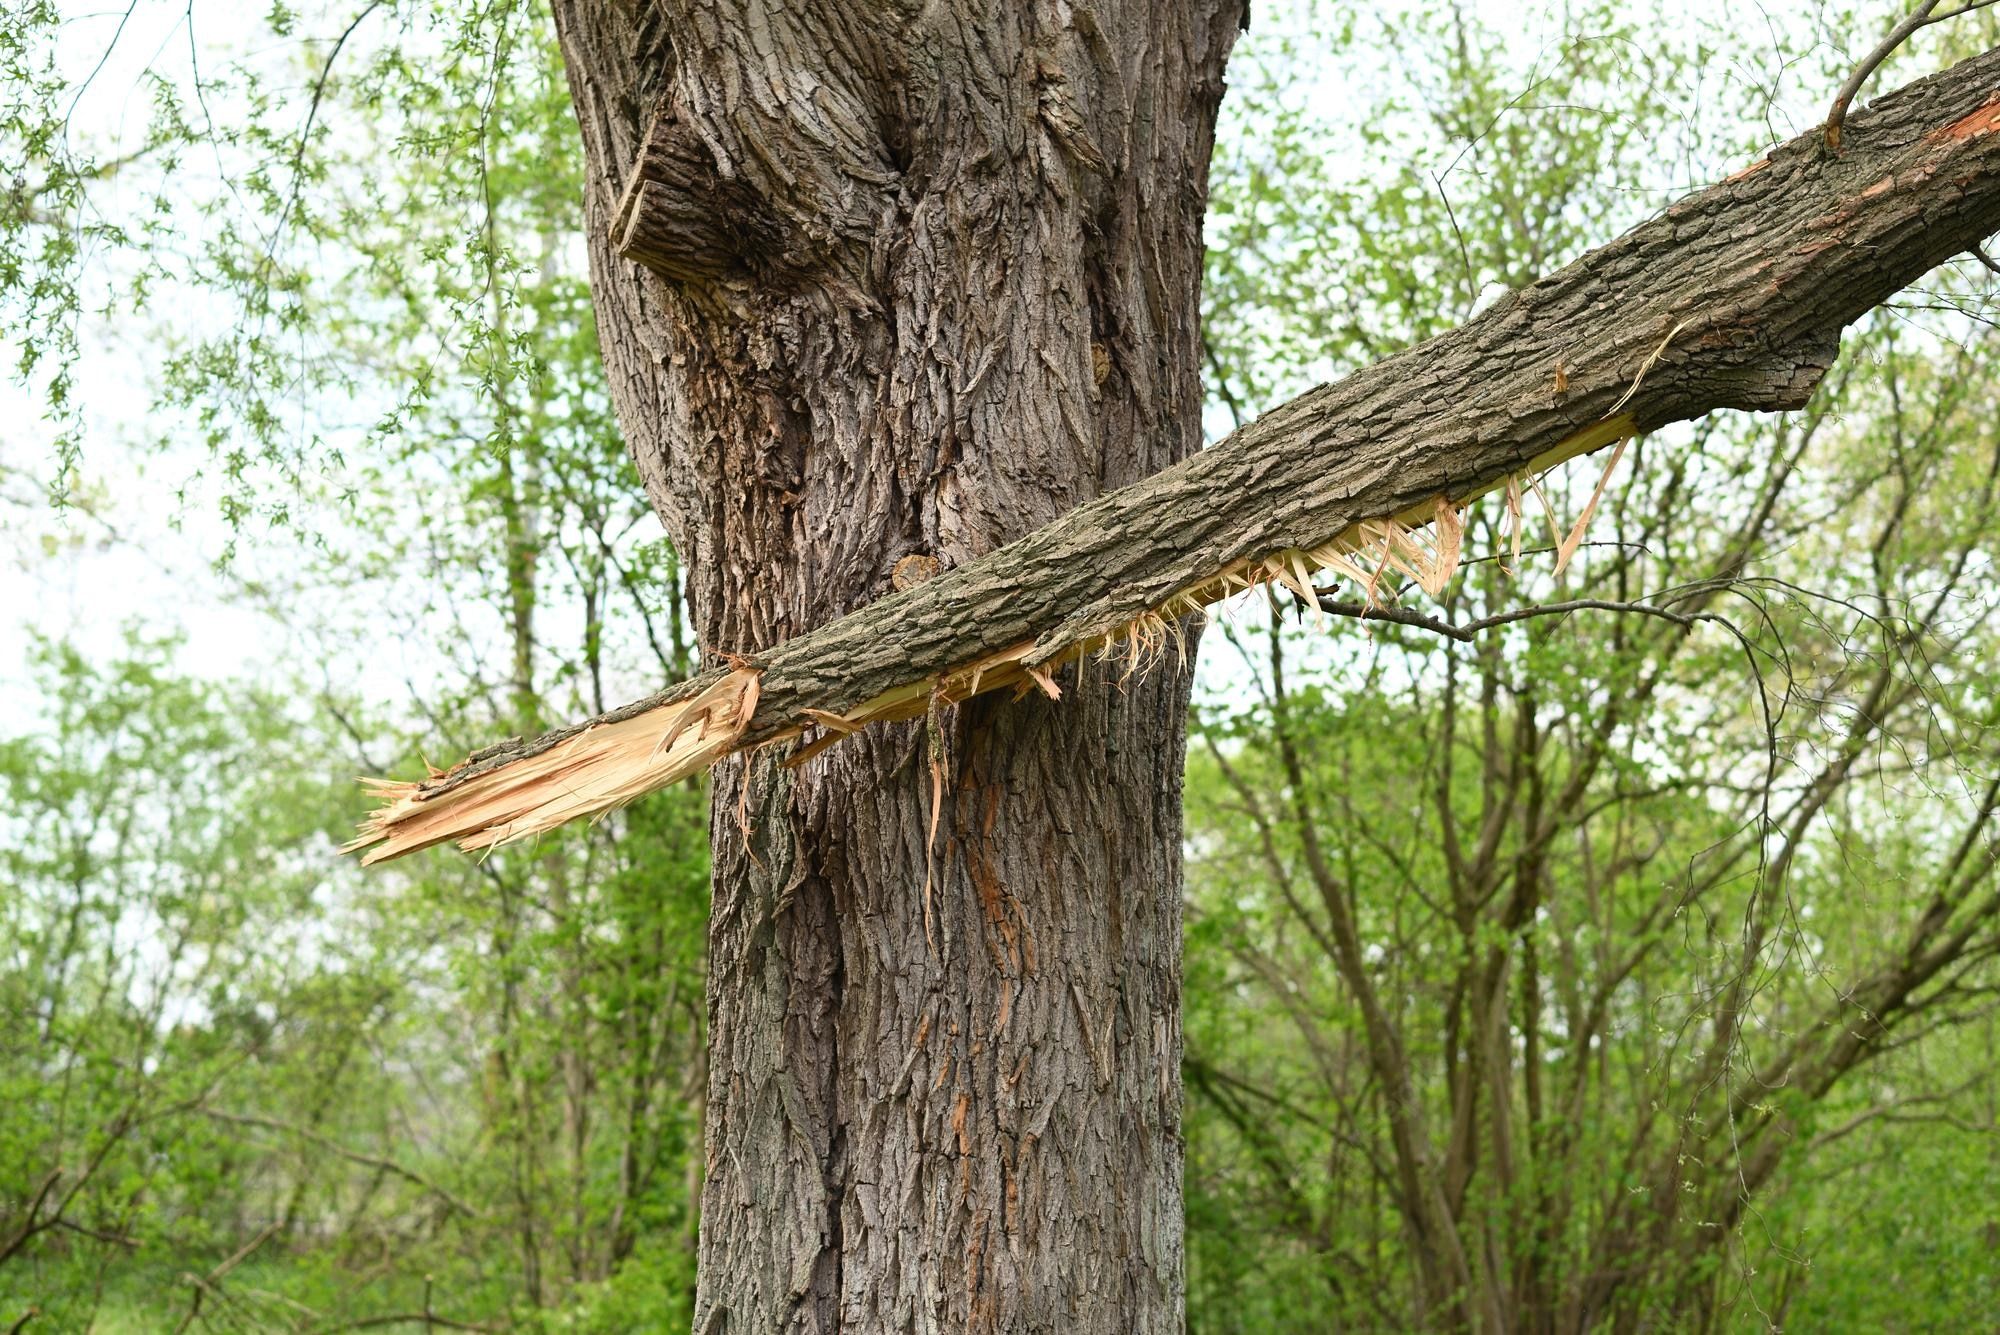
887 281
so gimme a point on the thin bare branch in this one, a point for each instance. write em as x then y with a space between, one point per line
1919 18
351 1155
1470 631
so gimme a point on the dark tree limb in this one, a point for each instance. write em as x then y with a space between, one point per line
29 1224
341 1151
1919 18
1470 631
1735 297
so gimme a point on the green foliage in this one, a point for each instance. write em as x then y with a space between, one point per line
251 1085
158 859
42 233
465 1089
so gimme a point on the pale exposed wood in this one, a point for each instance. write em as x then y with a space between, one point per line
589 771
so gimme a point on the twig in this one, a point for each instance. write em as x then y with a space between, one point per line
210 1283
97 69
1919 18
401 1319
100 1235
1978 252
243 1253
1464 256
29 1228
353 1156
1896 1112
312 115
1468 632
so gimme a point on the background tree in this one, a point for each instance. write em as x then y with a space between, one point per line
479 1096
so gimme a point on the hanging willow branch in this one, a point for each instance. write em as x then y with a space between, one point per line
1735 297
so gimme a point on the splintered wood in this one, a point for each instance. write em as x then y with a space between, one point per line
599 769
604 765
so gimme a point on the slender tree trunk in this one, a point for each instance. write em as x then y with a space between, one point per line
881 289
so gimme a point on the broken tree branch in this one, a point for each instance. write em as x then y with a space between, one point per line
1735 297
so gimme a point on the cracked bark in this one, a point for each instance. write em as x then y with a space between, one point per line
937 298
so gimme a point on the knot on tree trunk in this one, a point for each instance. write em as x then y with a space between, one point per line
682 217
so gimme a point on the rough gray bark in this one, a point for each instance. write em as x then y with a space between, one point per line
918 279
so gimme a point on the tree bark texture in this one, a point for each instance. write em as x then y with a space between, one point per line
899 280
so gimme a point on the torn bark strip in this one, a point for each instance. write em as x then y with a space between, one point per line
592 770
1735 297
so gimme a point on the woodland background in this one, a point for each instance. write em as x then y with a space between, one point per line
1674 944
